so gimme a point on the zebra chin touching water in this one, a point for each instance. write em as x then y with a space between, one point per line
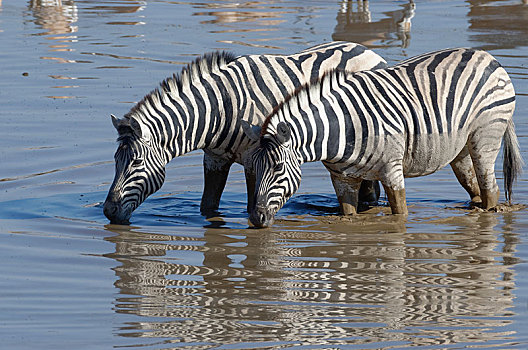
202 108
447 107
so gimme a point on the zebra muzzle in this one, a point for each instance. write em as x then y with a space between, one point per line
113 211
261 216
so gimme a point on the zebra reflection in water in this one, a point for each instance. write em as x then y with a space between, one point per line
314 288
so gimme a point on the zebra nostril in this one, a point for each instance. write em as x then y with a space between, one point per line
262 216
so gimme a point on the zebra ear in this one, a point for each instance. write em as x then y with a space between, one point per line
115 121
122 125
252 131
283 132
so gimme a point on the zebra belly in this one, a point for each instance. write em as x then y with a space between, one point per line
387 157
426 154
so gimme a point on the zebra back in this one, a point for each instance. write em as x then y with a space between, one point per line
431 94
202 106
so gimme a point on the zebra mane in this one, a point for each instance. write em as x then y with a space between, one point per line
208 63
315 86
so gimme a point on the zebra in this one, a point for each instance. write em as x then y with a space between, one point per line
202 108
446 107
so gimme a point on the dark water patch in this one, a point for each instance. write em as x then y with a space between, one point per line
312 204
327 204
182 209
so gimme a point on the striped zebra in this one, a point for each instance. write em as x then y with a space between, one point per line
202 108
447 107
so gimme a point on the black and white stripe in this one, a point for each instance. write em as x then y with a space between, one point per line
202 108
447 107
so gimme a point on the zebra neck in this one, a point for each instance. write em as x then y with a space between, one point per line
317 139
226 102
311 150
200 114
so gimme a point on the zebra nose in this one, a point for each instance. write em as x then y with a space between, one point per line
260 217
110 210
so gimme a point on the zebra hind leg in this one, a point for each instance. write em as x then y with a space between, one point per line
464 171
216 170
484 150
396 200
347 191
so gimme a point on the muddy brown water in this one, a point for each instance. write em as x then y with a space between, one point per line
444 278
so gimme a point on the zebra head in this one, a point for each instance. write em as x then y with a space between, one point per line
277 171
140 170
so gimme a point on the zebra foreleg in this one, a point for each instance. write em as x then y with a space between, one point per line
464 171
216 170
394 186
347 191
250 186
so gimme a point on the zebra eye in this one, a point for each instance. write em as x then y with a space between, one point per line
137 162
278 167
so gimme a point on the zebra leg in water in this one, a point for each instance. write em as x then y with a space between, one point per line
216 170
484 150
464 171
394 186
396 198
250 185
347 190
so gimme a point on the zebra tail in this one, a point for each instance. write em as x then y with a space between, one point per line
512 160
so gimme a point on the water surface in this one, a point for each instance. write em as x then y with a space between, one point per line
446 278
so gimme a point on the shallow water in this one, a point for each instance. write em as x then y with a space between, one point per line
446 278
